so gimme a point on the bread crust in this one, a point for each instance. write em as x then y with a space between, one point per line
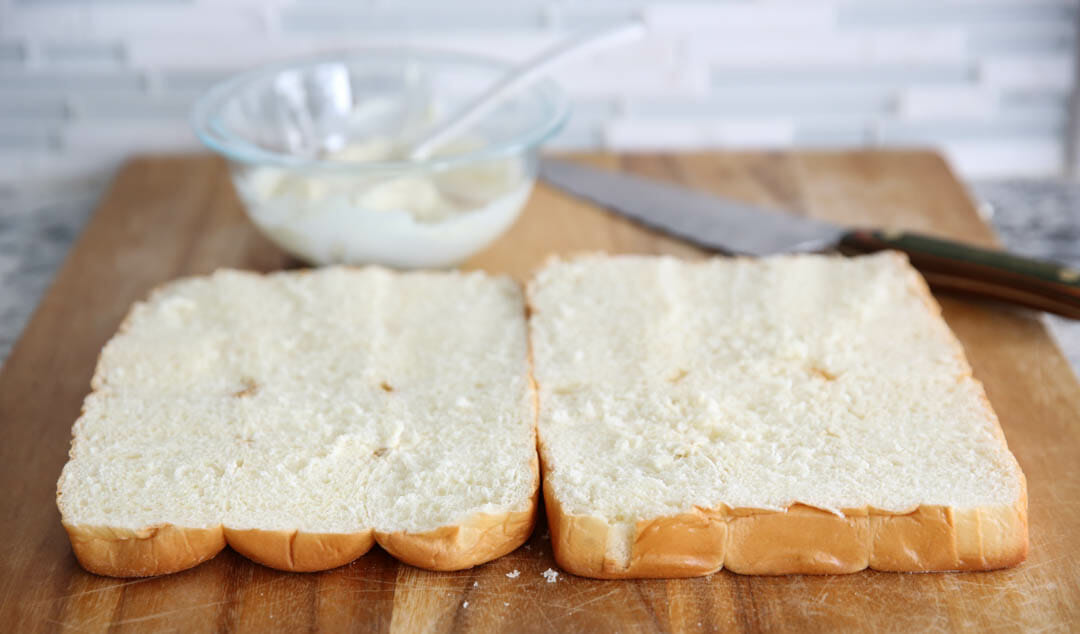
799 540
297 551
687 545
158 550
479 539
154 550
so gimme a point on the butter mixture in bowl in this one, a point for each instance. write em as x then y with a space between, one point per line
318 154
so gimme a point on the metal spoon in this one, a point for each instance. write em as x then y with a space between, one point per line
519 78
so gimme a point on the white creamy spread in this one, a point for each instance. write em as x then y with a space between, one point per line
407 219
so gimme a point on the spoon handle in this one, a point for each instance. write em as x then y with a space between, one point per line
519 78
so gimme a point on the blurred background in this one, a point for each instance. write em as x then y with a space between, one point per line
991 83
82 84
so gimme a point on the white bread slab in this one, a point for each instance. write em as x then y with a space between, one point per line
301 417
797 414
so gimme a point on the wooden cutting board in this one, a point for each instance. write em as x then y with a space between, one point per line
166 217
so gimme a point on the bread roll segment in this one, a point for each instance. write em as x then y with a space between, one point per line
480 538
301 417
789 415
144 552
296 551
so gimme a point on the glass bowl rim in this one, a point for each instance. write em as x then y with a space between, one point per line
234 148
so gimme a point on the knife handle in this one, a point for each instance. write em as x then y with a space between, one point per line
974 271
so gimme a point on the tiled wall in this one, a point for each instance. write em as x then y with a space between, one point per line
82 84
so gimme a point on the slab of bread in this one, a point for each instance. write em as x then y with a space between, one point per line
802 414
302 417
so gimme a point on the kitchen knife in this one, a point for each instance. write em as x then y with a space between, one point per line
733 227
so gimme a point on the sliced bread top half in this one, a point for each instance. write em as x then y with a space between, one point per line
789 414
300 416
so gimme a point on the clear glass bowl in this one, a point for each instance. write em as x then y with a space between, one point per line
315 152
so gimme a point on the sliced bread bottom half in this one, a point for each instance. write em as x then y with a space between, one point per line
301 417
794 414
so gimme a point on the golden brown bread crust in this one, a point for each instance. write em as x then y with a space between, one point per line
163 549
154 550
800 540
479 539
687 545
296 551
936 538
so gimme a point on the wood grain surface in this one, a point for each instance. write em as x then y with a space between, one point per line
166 217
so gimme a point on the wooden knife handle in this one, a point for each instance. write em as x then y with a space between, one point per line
985 273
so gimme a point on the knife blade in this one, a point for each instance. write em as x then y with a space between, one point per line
734 227
711 221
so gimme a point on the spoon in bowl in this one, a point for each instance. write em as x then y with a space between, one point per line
518 79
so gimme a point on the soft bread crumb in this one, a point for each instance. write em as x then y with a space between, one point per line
757 384
551 575
514 574
312 401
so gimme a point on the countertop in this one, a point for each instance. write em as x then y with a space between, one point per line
1037 217
168 217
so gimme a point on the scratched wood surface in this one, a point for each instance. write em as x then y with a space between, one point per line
166 217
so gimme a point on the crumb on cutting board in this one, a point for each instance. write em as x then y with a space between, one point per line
551 575
513 575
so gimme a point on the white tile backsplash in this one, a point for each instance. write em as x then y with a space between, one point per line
1029 71
65 82
1005 157
492 15
44 20
825 48
695 17
1026 36
133 21
644 134
865 13
634 80
83 84
114 138
73 52
927 103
